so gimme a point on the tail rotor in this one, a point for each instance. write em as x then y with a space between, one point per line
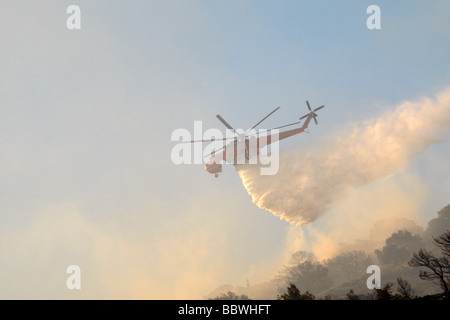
313 112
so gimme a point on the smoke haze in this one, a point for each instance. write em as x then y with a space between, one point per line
334 276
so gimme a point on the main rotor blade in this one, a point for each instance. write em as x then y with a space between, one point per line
309 107
210 140
287 125
224 122
263 119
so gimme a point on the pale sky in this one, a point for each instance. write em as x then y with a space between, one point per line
86 117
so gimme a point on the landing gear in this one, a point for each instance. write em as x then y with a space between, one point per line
216 175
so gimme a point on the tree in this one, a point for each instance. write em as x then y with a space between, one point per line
293 293
399 247
384 293
438 225
348 266
404 289
300 257
309 275
443 243
351 295
438 267
231 296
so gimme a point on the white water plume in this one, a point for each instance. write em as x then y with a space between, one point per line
311 179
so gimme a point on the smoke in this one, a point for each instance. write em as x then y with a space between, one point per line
336 275
312 179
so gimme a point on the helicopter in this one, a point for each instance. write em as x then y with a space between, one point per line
241 146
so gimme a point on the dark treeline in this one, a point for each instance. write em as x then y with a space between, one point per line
413 266
435 268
